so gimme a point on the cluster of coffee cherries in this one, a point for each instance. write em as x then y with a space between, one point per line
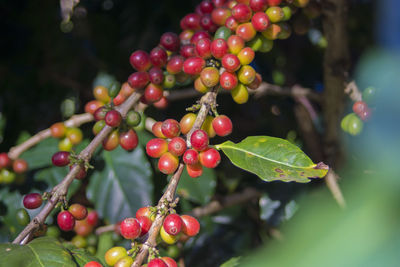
175 227
64 158
69 136
353 123
12 170
169 145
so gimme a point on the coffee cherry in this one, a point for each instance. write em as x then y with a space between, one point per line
187 50
193 65
191 21
65 221
158 57
74 135
145 224
175 64
78 211
191 226
156 130
32 201
231 23
153 93
274 2
111 142
113 118
275 14
199 140
246 31
92 218
170 262
230 62
210 158
266 44
199 36
145 211
285 32
210 76
207 126
156 147
119 99
241 13
93 264
258 5
100 113
206 7
187 122
101 94
287 11
256 83
218 3
359 107
222 125
58 130
222 33
114 254
98 126
240 94
92 105
219 48
235 44
272 32
260 21
167 238
185 36
228 80
82 172
133 118
168 163
156 263
60 158
246 74
65 144
130 228
22 217
170 128
5 161
203 48
191 157
219 15
156 75
365 115
7 177
138 80
172 224
301 3
140 60
170 41
177 146
124 262
128 140
194 170
199 86
82 228
246 56
207 24
20 166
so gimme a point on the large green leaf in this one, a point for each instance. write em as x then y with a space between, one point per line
123 185
273 159
40 155
11 201
200 189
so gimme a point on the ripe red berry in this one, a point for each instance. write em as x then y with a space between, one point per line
228 80
92 218
207 24
5 161
246 31
274 2
130 228
191 157
20 166
206 7
191 21
194 170
258 5
65 221
218 3
365 115
144 211
193 65
140 60
113 118
156 129
60 158
145 224
128 140
175 64
199 140
162 103
219 48
203 48
153 93
78 211
172 224
32 201
235 44
222 125
359 107
177 146
170 41
231 23
198 36
138 80
187 50
93 264
260 21
156 263
156 147
170 262
100 113
191 226
210 158
81 174
241 12
156 75
92 105
231 62
168 163
219 15
170 128
158 57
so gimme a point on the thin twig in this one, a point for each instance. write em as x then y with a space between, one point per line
352 90
331 181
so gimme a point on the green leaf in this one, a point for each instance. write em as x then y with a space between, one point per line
200 189
105 243
232 262
12 202
273 159
40 155
123 186
81 256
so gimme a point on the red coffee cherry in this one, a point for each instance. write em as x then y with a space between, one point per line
186 35
194 170
129 140
130 228
206 7
92 105
177 146
170 128
191 157
58 130
219 15
172 224
228 80
199 140
366 114
175 64
222 125
156 129
258 5
81 174
113 118
146 212
156 147
191 21
78 211
193 65
100 113
93 264
158 57
5 161
170 262
138 80
168 163
235 44
20 166
219 48
198 36
156 263
207 24
145 224
210 76
274 2
359 107
187 50
162 103
92 218
203 48
230 62
140 60
246 31
241 12
210 158
60 158
231 23
65 221
82 228
170 41
156 75
260 21
32 201
153 93
191 226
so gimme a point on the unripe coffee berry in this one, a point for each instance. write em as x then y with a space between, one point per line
78 211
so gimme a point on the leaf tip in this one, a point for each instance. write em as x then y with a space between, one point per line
321 166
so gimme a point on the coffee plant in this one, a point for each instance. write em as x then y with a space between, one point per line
78 196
